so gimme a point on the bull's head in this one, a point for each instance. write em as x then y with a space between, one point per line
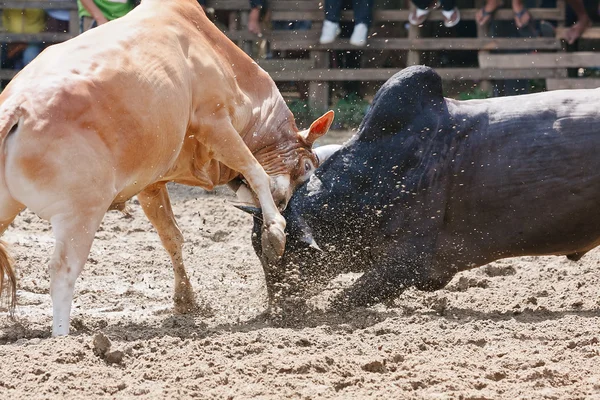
290 161
298 270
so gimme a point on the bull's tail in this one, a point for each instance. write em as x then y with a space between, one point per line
10 114
9 119
8 279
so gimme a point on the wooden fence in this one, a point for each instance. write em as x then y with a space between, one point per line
301 59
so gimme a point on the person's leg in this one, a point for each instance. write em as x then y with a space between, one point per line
86 23
450 13
362 21
583 21
422 4
333 10
485 14
448 5
421 11
522 16
331 24
363 11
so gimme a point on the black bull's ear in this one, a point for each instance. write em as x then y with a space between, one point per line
305 233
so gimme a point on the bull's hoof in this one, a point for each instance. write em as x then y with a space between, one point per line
273 243
289 313
185 303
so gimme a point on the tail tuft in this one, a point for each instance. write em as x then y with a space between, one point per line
7 271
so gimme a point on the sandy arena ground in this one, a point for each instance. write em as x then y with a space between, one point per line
525 328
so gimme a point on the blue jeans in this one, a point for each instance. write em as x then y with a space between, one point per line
362 11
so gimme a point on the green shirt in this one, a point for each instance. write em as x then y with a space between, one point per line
112 9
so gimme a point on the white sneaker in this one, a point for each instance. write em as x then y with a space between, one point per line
330 32
359 35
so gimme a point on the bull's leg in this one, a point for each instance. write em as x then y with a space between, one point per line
230 149
74 233
374 286
386 282
157 207
273 237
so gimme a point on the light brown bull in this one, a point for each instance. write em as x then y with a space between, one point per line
160 95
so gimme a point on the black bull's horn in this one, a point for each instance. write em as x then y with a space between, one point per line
254 211
324 152
306 236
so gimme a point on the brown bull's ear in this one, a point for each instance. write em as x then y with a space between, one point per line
318 128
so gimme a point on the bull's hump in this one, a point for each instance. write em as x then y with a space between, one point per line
400 100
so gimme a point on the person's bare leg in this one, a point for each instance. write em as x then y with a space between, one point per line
485 14
583 21
522 16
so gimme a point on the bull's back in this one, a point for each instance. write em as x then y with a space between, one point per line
110 93
528 179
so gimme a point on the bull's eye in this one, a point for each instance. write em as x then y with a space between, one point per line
307 166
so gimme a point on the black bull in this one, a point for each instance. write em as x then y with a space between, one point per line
431 186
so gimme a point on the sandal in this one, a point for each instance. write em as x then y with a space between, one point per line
416 19
520 15
483 16
452 19
418 16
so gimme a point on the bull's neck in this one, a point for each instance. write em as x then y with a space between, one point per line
261 113
266 107
267 126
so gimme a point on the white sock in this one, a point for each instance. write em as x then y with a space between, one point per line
448 14
420 12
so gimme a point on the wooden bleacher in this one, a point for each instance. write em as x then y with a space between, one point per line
44 37
541 58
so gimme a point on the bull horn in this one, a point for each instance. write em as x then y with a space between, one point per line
324 152
307 235
310 241
255 211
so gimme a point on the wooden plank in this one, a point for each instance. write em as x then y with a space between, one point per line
7 73
497 74
313 10
573 83
413 57
483 32
309 39
44 4
286 64
318 91
590 33
287 5
45 37
402 15
297 10
382 74
73 22
424 44
540 60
